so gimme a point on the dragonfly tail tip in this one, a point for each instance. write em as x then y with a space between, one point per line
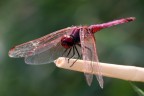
130 19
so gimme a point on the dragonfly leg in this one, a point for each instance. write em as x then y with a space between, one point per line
79 56
64 52
72 54
67 53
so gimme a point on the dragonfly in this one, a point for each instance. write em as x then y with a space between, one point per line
72 42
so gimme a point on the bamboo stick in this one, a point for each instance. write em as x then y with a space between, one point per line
130 73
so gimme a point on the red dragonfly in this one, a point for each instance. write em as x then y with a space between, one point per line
72 42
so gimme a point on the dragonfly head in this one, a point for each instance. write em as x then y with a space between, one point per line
67 41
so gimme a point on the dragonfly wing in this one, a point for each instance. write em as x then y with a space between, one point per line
89 53
49 54
40 45
53 53
86 55
95 59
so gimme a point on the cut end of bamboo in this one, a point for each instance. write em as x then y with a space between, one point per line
59 62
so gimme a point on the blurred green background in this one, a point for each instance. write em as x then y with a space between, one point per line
25 20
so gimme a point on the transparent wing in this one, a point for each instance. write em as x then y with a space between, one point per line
28 48
89 54
86 55
53 53
48 55
36 50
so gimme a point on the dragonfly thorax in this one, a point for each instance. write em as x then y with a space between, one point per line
67 41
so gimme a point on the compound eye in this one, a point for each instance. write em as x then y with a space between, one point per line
67 41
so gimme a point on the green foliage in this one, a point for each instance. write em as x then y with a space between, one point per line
138 90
